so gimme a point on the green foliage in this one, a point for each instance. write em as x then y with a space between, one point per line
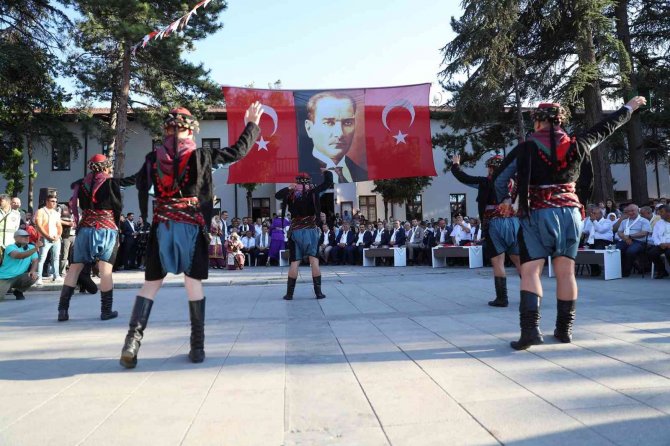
400 190
159 78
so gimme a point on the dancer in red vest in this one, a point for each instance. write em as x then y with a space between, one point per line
181 177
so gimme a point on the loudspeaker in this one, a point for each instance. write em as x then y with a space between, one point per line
44 193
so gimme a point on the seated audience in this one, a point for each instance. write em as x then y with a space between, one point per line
398 237
598 233
343 251
263 246
326 242
249 245
414 240
363 241
633 233
460 234
661 242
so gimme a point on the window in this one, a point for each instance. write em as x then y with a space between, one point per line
368 207
211 143
260 208
414 209
60 158
457 205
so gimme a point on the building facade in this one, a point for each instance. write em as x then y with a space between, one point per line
57 169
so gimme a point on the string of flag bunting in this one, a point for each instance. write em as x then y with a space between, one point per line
177 25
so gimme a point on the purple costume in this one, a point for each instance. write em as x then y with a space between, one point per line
277 242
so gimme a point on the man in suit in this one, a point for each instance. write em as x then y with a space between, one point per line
397 235
129 241
330 124
326 242
414 240
246 226
249 243
380 237
343 251
262 246
364 241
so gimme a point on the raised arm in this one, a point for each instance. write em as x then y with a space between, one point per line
504 174
327 182
602 130
463 177
282 193
246 140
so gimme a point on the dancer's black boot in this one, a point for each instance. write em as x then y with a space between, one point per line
290 287
196 309
501 299
565 316
529 316
317 287
64 303
106 301
138 323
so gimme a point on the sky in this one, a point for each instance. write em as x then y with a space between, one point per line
317 44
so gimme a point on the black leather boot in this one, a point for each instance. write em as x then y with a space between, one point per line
529 316
317 287
196 309
565 316
138 323
64 303
501 299
106 301
290 287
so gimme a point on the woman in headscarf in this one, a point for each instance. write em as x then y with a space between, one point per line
303 201
235 256
547 166
181 177
99 197
217 253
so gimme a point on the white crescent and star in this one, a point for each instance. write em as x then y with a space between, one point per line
407 105
272 113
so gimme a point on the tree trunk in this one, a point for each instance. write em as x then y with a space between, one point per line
602 174
249 204
521 128
121 115
638 168
31 171
386 209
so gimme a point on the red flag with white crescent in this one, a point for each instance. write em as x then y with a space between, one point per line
397 132
357 134
273 158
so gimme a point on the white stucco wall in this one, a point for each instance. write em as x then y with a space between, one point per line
435 197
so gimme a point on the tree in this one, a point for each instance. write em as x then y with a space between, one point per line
400 190
30 100
156 77
250 188
513 51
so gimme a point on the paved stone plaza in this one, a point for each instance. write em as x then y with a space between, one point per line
400 356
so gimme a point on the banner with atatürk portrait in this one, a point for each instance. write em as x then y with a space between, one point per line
358 134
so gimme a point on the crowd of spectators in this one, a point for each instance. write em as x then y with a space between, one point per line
38 248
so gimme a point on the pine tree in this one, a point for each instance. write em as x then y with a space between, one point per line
153 80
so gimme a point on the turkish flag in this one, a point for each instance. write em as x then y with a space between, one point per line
274 156
397 132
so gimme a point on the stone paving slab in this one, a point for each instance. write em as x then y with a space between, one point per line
393 356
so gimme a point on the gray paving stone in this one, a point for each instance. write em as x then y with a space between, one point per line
401 356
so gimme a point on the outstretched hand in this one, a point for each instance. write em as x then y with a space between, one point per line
637 102
456 159
254 113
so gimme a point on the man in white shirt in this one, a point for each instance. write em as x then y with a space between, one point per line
262 246
398 236
633 232
598 233
249 243
379 236
258 227
461 231
660 239
364 241
10 221
326 242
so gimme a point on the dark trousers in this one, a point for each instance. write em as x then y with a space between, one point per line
252 255
129 252
262 256
628 254
654 253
